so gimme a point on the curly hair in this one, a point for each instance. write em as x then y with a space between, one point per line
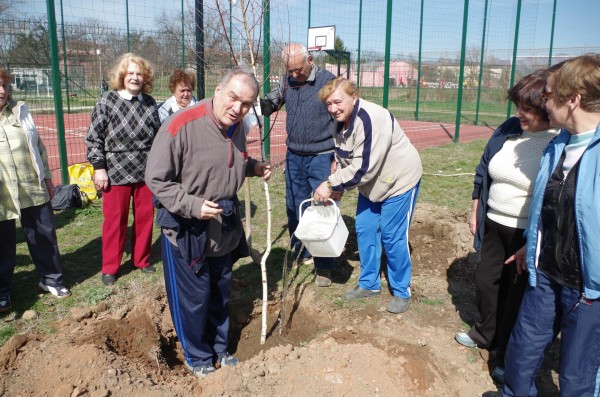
180 76
119 71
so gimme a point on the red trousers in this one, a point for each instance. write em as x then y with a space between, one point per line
115 207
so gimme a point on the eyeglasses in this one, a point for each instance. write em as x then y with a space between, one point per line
547 95
296 71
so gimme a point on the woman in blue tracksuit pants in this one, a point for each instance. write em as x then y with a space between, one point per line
375 156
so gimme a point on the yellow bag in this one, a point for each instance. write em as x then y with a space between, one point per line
83 176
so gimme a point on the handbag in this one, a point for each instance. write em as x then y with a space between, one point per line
67 197
83 175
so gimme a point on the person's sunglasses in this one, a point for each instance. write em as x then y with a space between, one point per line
547 95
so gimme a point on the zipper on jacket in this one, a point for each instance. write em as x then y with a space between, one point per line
559 222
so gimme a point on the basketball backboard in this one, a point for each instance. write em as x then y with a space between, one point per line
321 38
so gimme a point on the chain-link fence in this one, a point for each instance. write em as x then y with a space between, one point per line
427 61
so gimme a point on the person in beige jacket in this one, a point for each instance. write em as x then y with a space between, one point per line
375 156
25 192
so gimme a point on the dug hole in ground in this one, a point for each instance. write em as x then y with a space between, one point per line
332 347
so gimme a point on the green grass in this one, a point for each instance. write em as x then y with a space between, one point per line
448 174
79 239
432 301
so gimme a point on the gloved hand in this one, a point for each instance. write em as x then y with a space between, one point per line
266 107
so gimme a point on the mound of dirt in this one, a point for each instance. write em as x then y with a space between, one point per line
331 348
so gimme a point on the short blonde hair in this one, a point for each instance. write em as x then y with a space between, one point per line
119 71
580 75
344 84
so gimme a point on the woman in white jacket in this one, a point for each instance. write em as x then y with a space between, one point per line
25 192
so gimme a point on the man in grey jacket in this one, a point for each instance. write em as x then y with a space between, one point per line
197 164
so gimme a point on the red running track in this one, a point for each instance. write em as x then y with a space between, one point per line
422 135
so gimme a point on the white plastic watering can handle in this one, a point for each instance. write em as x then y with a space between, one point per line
337 210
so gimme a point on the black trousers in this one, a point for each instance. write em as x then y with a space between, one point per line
38 226
498 288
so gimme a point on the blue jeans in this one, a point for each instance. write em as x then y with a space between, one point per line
547 309
303 174
385 224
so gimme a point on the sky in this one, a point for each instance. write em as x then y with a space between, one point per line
576 22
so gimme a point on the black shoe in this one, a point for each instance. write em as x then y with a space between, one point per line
60 291
148 269
108 279
5 305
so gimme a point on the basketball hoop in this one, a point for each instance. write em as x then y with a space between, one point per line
321 38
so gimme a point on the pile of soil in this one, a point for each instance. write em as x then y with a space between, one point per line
330 348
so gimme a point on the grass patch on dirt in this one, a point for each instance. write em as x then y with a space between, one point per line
448 174
79 239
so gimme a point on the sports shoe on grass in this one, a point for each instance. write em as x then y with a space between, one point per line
148 269
59 291
201 370
227 360
358 293
307 261
464 339
109 279
323 278
5 305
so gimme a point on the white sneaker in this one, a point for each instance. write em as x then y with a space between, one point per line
60 291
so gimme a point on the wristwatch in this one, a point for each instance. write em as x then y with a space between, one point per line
329 186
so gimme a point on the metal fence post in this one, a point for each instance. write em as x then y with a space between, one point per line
481 62
359 40
200 48
386 66
266 75
127 23
64 42
552 35
57 92
461 74
514 58
182 37
419 63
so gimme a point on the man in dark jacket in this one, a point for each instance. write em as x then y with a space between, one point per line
310 147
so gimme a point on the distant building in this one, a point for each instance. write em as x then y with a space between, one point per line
31 79
371 73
